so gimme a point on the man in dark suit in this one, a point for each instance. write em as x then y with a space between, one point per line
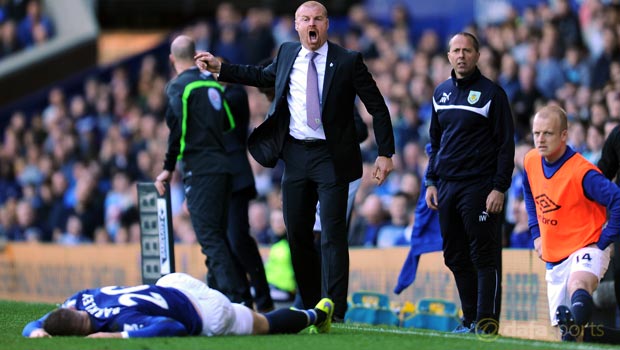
314 133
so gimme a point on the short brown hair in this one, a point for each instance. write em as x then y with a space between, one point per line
64 322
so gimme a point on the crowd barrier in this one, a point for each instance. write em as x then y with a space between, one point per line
50 273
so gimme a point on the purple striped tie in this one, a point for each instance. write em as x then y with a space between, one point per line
313 107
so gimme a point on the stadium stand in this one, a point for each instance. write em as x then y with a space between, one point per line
70 50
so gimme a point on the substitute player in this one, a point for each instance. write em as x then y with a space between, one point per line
566 198
177 305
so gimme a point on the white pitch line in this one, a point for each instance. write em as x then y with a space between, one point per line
538 343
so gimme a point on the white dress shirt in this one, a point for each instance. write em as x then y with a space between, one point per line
296 98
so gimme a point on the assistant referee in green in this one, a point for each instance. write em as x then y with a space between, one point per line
198 116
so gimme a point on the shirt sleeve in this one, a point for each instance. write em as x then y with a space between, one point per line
530 206
435 141
174 115
31 326
368 92
597 187
504 133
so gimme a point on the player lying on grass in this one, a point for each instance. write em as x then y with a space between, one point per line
177 305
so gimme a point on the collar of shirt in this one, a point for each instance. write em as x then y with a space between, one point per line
298 126
322 51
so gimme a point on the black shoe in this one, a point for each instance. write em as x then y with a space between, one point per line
566 323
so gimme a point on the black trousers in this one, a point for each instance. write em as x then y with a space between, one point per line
208 198
244 247
309 176
471 246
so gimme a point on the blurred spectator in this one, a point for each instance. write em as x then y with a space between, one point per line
55 219
509 76
549 75
116 156
88 204
147 77
73 234
577 136
421 90
229 45
25 227
202 34
406 127
129 229
258 215
594 143
257 36
101 236
393 232
591 18
430 43
612 100
227 34
567 22
400 18
9 42
597 114
284 29
575 66
36 26
402 43
117 201
515 191
610 53
410 184
365 229
56 108
9 187
524 101
520 235
12 9
410 157
278 266
92 90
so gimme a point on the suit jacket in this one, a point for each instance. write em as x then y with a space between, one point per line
346 76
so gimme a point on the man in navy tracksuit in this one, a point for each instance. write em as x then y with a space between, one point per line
470 168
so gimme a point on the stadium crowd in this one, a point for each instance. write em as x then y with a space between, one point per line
68 172
23 25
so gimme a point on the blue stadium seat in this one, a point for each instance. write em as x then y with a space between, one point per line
371 308
434 313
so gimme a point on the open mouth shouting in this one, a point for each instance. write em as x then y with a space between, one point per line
313 36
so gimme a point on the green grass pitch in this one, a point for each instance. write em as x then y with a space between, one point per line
14 315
